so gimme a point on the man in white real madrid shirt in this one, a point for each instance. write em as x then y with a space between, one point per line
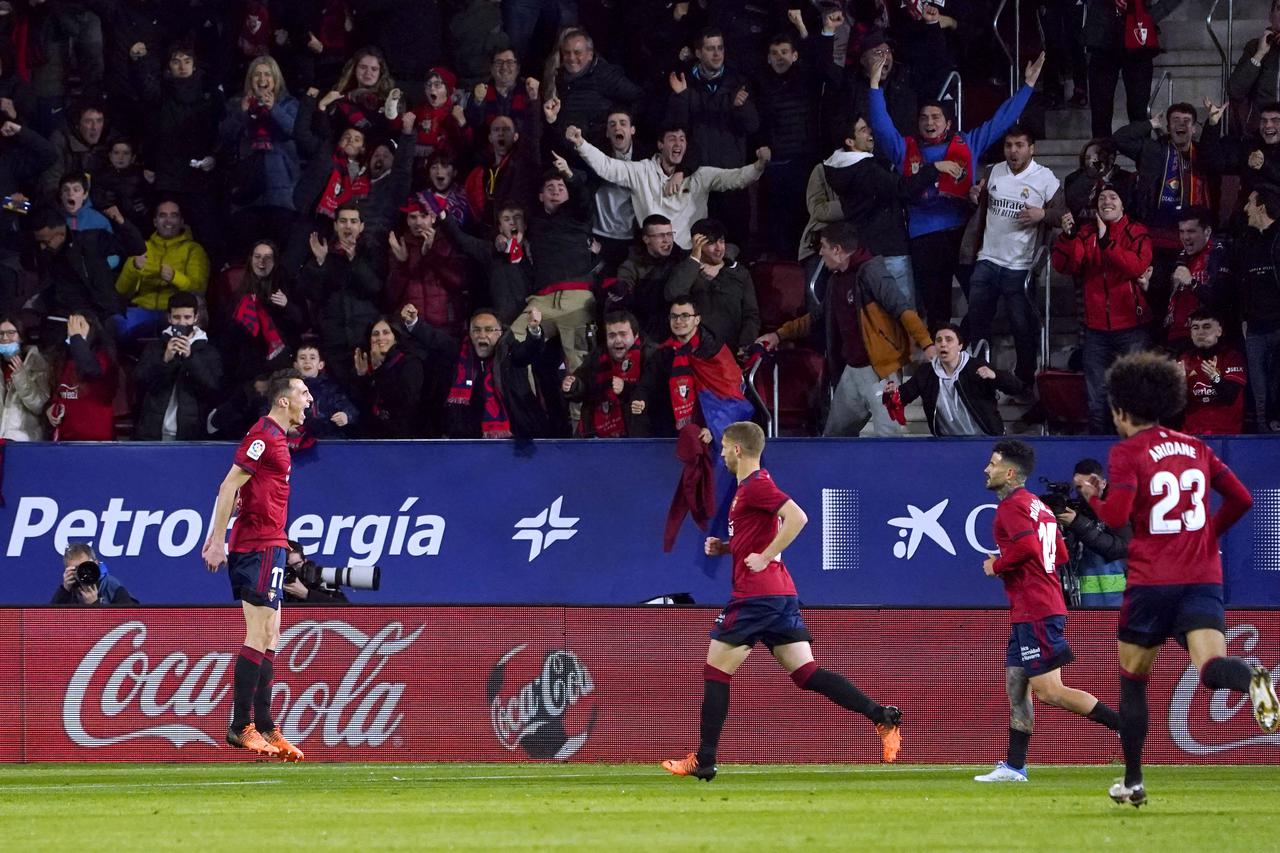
1011 207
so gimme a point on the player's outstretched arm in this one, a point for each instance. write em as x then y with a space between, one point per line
214 551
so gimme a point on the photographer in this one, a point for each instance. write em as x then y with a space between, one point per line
1098 552
85 581
302 583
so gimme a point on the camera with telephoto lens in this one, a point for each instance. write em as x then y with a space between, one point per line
356 577
88 573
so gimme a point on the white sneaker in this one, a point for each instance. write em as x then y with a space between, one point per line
1135 796
1003 773
1266 709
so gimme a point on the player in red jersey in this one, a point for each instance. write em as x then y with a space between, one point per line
1160 482
763 521
1031 549
258 486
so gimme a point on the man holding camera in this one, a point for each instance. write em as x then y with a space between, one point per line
1097 552
302 582
258 485
85 581
178 377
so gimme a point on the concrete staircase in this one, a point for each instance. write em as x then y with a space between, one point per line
1195 71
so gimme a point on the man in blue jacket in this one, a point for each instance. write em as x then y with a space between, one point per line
936 218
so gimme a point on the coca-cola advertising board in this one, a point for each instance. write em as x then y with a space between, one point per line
595 684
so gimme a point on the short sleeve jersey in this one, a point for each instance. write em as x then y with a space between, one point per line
753 523
1031 549
1173 537
263 504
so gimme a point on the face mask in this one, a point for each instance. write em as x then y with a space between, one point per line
9 349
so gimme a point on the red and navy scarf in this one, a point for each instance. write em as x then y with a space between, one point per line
259 126
607 419
957 152
252 316
691 374
342 187
472 373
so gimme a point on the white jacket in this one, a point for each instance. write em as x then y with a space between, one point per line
645 179
23 399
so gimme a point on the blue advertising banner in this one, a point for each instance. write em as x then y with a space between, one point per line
891 522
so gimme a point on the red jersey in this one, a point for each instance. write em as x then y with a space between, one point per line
1031 549
1159 481
1215 396
263 503
753 522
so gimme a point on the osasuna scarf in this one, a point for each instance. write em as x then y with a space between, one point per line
472 373
607 419
347 180
690 374
957 152
252 316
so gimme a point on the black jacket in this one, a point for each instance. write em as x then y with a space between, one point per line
525 409
874 197
1110 544
345 293
76 278
718 131
1257 268
1230 156
124 24
789 111
509 284
23 158
197 380
1135 141
977 394
641 289
560 242
1104 24
393 396
585 390
728 301
587 97
183 126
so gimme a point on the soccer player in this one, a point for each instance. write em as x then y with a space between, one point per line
1031 549
1159 482
258 483
763 521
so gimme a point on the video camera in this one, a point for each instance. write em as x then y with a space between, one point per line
1059 496
356 577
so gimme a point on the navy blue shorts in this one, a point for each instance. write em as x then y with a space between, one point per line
1040 646
1149 615
257 576
773 619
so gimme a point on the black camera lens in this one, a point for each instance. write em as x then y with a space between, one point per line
88 573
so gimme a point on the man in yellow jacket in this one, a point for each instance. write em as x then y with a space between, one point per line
173 262
870 328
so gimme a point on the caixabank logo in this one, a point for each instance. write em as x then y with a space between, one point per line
548 709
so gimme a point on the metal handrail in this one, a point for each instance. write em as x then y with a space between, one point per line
1028 284
1224 57
946 87
1155 92
755 395
1013 62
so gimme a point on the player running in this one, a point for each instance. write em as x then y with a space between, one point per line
1031 549
260 479
763 521
1160 481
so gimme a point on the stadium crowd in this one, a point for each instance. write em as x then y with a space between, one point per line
545 218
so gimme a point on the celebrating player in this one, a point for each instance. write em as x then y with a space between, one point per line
1031 549
1159 482
260 479
763 521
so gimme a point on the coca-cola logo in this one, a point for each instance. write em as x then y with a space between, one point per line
1203 722
120 685
539 711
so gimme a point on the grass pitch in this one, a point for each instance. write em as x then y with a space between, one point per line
367 807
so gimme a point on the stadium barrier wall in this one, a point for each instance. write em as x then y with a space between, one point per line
580 683
892 522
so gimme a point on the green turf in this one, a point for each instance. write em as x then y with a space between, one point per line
365 807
